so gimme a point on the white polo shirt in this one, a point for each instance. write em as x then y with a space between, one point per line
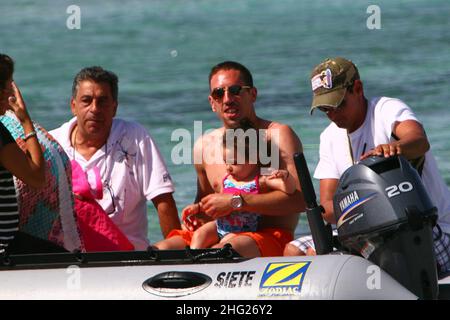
382 114
132 171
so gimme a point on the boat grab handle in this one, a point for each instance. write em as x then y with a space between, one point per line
176 283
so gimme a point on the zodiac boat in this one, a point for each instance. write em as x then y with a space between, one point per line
390 228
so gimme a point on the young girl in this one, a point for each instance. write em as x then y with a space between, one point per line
28 167
241 178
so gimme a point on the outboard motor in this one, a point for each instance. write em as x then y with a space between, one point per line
383 212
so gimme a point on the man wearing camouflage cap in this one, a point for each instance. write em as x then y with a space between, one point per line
360 128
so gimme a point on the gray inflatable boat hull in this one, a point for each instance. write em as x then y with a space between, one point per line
303 278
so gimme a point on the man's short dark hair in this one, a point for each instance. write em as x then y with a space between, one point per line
6 69
98 75
246 76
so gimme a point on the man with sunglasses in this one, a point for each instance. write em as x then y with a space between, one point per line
232 97
120 155
361 128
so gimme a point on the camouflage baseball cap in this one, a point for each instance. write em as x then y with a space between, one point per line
329 81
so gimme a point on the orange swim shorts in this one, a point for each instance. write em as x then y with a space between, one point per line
270 241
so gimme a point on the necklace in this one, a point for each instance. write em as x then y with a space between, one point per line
74 149
350 149
106 184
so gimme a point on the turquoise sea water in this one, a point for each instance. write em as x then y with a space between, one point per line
162 52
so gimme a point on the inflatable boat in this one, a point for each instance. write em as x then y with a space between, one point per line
384 250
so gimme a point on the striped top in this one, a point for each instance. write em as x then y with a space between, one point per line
9 211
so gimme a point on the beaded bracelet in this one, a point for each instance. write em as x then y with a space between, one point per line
29 135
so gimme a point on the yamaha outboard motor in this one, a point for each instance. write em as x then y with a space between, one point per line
383 212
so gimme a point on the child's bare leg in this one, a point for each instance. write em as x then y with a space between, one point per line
172 243
244 245
205 236
226 239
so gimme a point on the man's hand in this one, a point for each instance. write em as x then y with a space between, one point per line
217 205
193 217
387 150
189 222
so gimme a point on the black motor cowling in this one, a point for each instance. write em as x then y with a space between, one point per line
384 213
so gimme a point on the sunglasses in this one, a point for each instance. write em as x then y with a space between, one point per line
234 90
111 194
327 109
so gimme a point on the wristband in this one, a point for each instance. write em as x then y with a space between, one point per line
29 135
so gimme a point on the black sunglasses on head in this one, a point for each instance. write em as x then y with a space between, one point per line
234 90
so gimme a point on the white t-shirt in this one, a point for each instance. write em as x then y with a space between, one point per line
382 115
132 171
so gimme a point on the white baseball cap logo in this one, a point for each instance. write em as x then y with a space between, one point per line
322 79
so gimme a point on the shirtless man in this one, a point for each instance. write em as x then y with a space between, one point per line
232 97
